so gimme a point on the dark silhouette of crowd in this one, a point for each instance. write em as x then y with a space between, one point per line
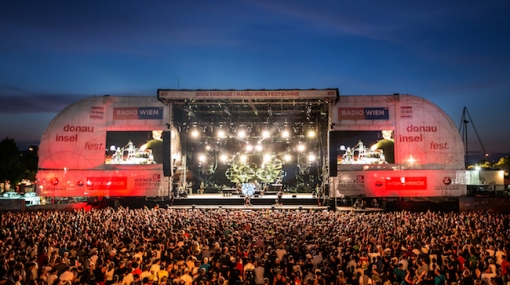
239 247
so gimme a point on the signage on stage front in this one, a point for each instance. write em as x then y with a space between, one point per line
246 94
374 113
138 113
391 183
108 183
406 183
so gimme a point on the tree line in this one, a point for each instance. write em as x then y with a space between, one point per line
16 165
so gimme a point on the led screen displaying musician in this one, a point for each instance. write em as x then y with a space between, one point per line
134 147
362 147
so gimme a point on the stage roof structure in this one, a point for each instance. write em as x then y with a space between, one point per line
256 107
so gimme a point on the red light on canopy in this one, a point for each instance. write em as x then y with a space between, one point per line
54 181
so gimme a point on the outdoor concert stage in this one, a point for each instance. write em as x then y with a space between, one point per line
290 201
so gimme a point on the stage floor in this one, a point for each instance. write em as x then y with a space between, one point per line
286 195
291 201
274 207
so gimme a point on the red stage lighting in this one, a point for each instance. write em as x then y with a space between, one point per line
54 181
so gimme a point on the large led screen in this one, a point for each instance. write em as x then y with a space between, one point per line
134 147
357 150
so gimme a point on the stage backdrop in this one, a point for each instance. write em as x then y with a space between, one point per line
409 147
105 146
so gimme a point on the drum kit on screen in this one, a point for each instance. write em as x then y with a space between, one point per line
129 154
360 154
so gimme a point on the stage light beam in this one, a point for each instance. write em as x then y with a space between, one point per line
221 134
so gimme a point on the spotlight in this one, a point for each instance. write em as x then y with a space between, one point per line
266 134
301 147
285 134
195 133
241 134
221 134
311 133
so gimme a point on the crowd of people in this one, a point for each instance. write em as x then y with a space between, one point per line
269 247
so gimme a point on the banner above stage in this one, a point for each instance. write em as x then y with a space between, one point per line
172 94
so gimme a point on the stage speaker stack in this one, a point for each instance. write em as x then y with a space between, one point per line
333 166
332 205
167 171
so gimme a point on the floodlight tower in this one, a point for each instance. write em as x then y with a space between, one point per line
463 129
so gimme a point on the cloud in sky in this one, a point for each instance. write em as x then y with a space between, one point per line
454 53
15 101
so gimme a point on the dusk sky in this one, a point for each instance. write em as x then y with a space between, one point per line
454 53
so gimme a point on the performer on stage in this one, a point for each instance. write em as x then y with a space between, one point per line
279 198
247 201
320 195
264 190
239 187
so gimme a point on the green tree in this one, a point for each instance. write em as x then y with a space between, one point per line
29 161
11 168
503 163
